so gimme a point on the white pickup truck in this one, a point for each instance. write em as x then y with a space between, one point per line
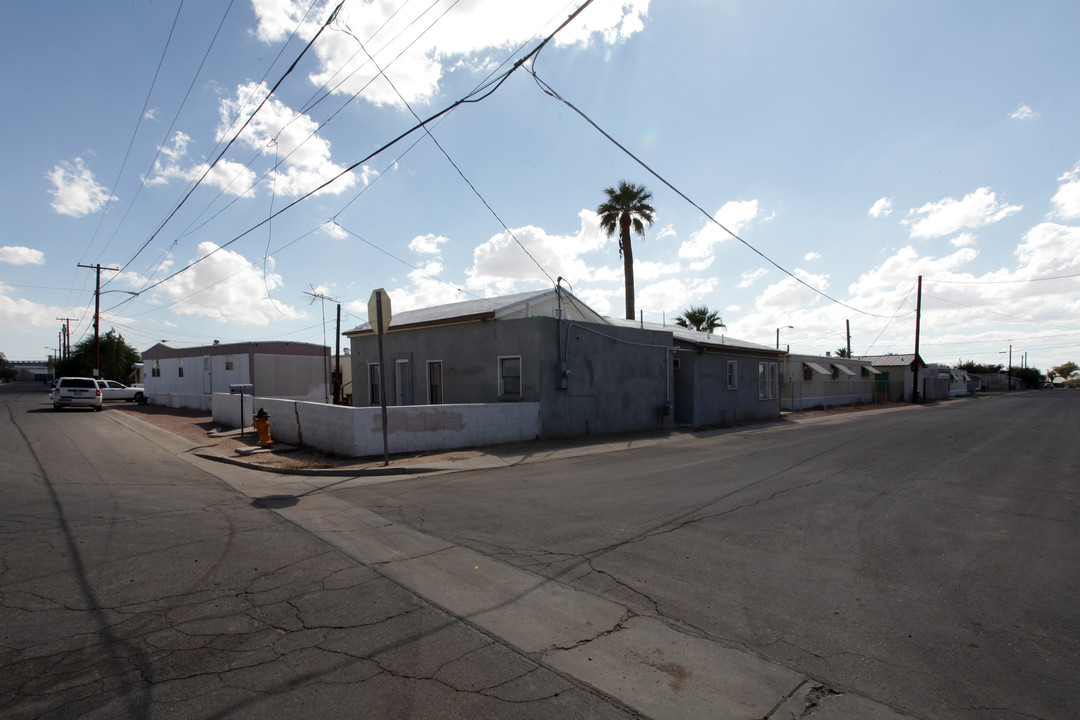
112 390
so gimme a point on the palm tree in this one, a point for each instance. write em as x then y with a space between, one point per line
627 207
700 318
843 352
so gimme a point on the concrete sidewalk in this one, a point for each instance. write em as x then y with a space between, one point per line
654 668
498 456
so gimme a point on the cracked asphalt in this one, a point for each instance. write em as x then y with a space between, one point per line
773 572
134 584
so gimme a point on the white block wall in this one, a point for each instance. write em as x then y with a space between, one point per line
357 431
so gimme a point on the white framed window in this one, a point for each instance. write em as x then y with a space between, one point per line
435 382
510 377
768 380
732 375
155 369
374 384
228 362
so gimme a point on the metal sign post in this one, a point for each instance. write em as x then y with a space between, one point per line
379 317
241 388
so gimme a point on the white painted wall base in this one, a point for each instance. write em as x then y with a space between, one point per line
357 431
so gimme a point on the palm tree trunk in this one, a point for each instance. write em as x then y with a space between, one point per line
628 264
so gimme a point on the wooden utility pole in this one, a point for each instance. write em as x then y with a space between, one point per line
848 324
97 315
337 360
915 362
65 349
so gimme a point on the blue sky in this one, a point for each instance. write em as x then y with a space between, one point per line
855 145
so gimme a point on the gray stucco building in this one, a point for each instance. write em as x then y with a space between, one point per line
588 373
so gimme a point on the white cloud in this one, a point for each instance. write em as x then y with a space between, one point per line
500 264
736 216
748 278
227 288
75 192
1067 199
21 315
427 244
673 295
1024 112
789 294
417 48
881 208
292 139
963 240
18 255
227 175
976 209
812 256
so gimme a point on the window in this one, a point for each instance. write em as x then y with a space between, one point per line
180 368
807 373
510 377
435 386
228 362
374 384
835 373
768 380
732 375
155 369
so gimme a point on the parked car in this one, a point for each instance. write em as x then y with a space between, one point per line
76 392
1048 386
113 390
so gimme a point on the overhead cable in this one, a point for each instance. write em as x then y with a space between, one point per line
548 90
475 96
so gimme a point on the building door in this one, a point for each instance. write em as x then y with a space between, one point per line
403 382
208 378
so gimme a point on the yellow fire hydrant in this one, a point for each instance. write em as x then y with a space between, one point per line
261 423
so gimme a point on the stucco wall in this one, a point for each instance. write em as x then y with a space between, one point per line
618 377
703 395
357 432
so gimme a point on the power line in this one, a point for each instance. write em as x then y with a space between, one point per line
403 262
237 134
548 90
476 96
449 159
1003 282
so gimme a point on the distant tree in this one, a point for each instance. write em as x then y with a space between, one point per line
6 374
626 208
116 358
979 368
700 318
1030 376
843 352
1067 369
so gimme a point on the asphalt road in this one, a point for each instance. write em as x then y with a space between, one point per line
924 558
134 583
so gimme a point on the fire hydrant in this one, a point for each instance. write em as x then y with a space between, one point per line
261 423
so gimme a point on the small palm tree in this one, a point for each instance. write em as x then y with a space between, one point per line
700 318
627 207
843 352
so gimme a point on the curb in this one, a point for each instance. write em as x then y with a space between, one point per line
325 472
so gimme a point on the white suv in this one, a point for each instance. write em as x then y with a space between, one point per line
76 392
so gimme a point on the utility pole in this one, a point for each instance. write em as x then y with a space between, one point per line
1010 368
915 362
97 315
65 349
337 360
326 366
848 324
